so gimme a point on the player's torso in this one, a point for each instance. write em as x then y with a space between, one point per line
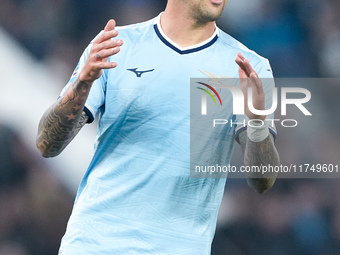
138 182
150 87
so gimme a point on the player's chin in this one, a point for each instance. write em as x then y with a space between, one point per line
216 11
213 15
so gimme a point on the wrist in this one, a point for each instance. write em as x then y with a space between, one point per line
83 79
257 130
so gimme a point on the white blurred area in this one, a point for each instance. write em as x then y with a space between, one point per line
27 89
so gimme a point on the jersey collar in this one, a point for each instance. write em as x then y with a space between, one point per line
183 50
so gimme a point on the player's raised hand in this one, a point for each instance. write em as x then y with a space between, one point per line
103 47
249 78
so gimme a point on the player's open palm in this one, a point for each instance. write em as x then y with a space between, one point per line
103 47
250 79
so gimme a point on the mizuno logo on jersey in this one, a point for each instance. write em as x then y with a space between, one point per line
139 73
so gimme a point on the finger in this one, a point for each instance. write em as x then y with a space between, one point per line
106 35
243 72
249 68
109 44
109 31
99 65
257 83
247 65
110 25
240 60
98 55
106 53
240 55
246 70
107 65
244 64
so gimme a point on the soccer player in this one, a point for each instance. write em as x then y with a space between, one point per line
137 196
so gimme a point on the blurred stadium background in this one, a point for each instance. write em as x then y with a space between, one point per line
40 44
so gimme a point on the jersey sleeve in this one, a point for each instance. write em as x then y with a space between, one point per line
265 73
96 96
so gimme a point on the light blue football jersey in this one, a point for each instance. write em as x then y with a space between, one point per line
137 196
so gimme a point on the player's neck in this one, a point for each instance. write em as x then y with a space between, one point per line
184 31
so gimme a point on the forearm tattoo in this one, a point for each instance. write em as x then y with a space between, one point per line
63 120
256 154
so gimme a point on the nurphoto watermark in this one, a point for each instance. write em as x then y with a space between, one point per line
294 110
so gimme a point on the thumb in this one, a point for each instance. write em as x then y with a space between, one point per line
111 24
241 73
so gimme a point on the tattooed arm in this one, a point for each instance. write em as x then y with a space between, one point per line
256 154
63 120
260 150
